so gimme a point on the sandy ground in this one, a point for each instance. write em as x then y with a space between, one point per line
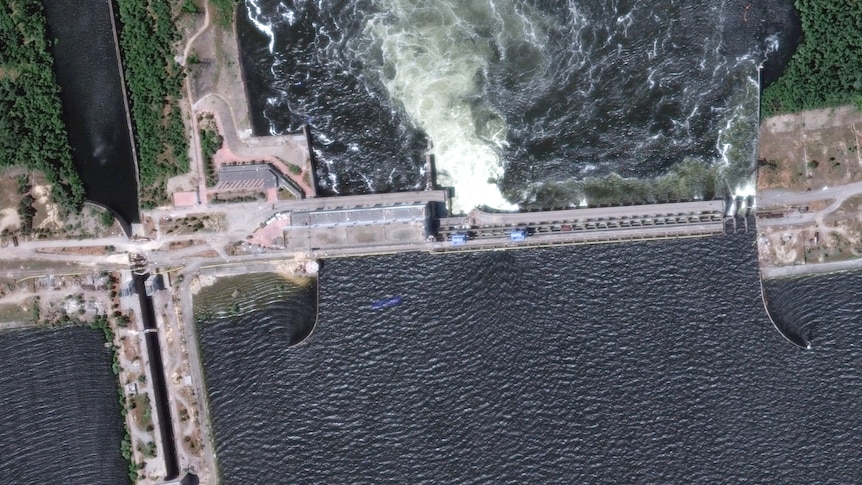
808 154
811 150
9 218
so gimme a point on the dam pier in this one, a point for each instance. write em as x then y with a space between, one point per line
417 221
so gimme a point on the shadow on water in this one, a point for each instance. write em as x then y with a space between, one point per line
283 308
787 325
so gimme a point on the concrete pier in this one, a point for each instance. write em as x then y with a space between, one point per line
700 217
404 222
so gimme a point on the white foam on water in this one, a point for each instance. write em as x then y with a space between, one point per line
265 27
746 190
323 138
333 182
368 181
772 44
626 21
287 14
434 61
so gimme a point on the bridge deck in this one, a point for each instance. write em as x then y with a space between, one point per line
489 231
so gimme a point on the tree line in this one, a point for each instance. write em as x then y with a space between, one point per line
826 69
147 37
32 133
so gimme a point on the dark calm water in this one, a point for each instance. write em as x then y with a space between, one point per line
530 93
85 62
60 420
812 307
637 363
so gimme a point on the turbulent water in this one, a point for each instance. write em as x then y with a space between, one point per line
636 363
59 416
516 96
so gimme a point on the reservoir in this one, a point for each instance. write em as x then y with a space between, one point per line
87 70
631 363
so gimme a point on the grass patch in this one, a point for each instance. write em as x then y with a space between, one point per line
9 312
223 11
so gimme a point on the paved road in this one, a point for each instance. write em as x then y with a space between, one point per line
809 269
777 198
488 218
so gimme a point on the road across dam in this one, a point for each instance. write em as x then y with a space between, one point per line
370 224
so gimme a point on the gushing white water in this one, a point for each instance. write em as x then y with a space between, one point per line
435 57
746 190
255 14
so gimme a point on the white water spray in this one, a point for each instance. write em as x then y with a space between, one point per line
262 25
434 60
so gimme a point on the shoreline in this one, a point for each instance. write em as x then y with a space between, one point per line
813 269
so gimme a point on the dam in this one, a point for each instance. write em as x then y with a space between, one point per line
418 221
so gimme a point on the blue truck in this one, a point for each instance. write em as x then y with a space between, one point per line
458 239
518 235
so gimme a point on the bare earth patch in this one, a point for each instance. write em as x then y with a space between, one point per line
811 150
805 154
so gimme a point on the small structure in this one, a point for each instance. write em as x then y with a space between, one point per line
127 289
154 283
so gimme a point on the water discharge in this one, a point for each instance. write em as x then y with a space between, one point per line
435 60
539 104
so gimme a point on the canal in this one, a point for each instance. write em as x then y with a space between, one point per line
86 63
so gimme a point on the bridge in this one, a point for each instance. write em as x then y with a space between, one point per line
416 221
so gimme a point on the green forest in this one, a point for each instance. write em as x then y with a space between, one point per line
826 69
32 133
155 80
